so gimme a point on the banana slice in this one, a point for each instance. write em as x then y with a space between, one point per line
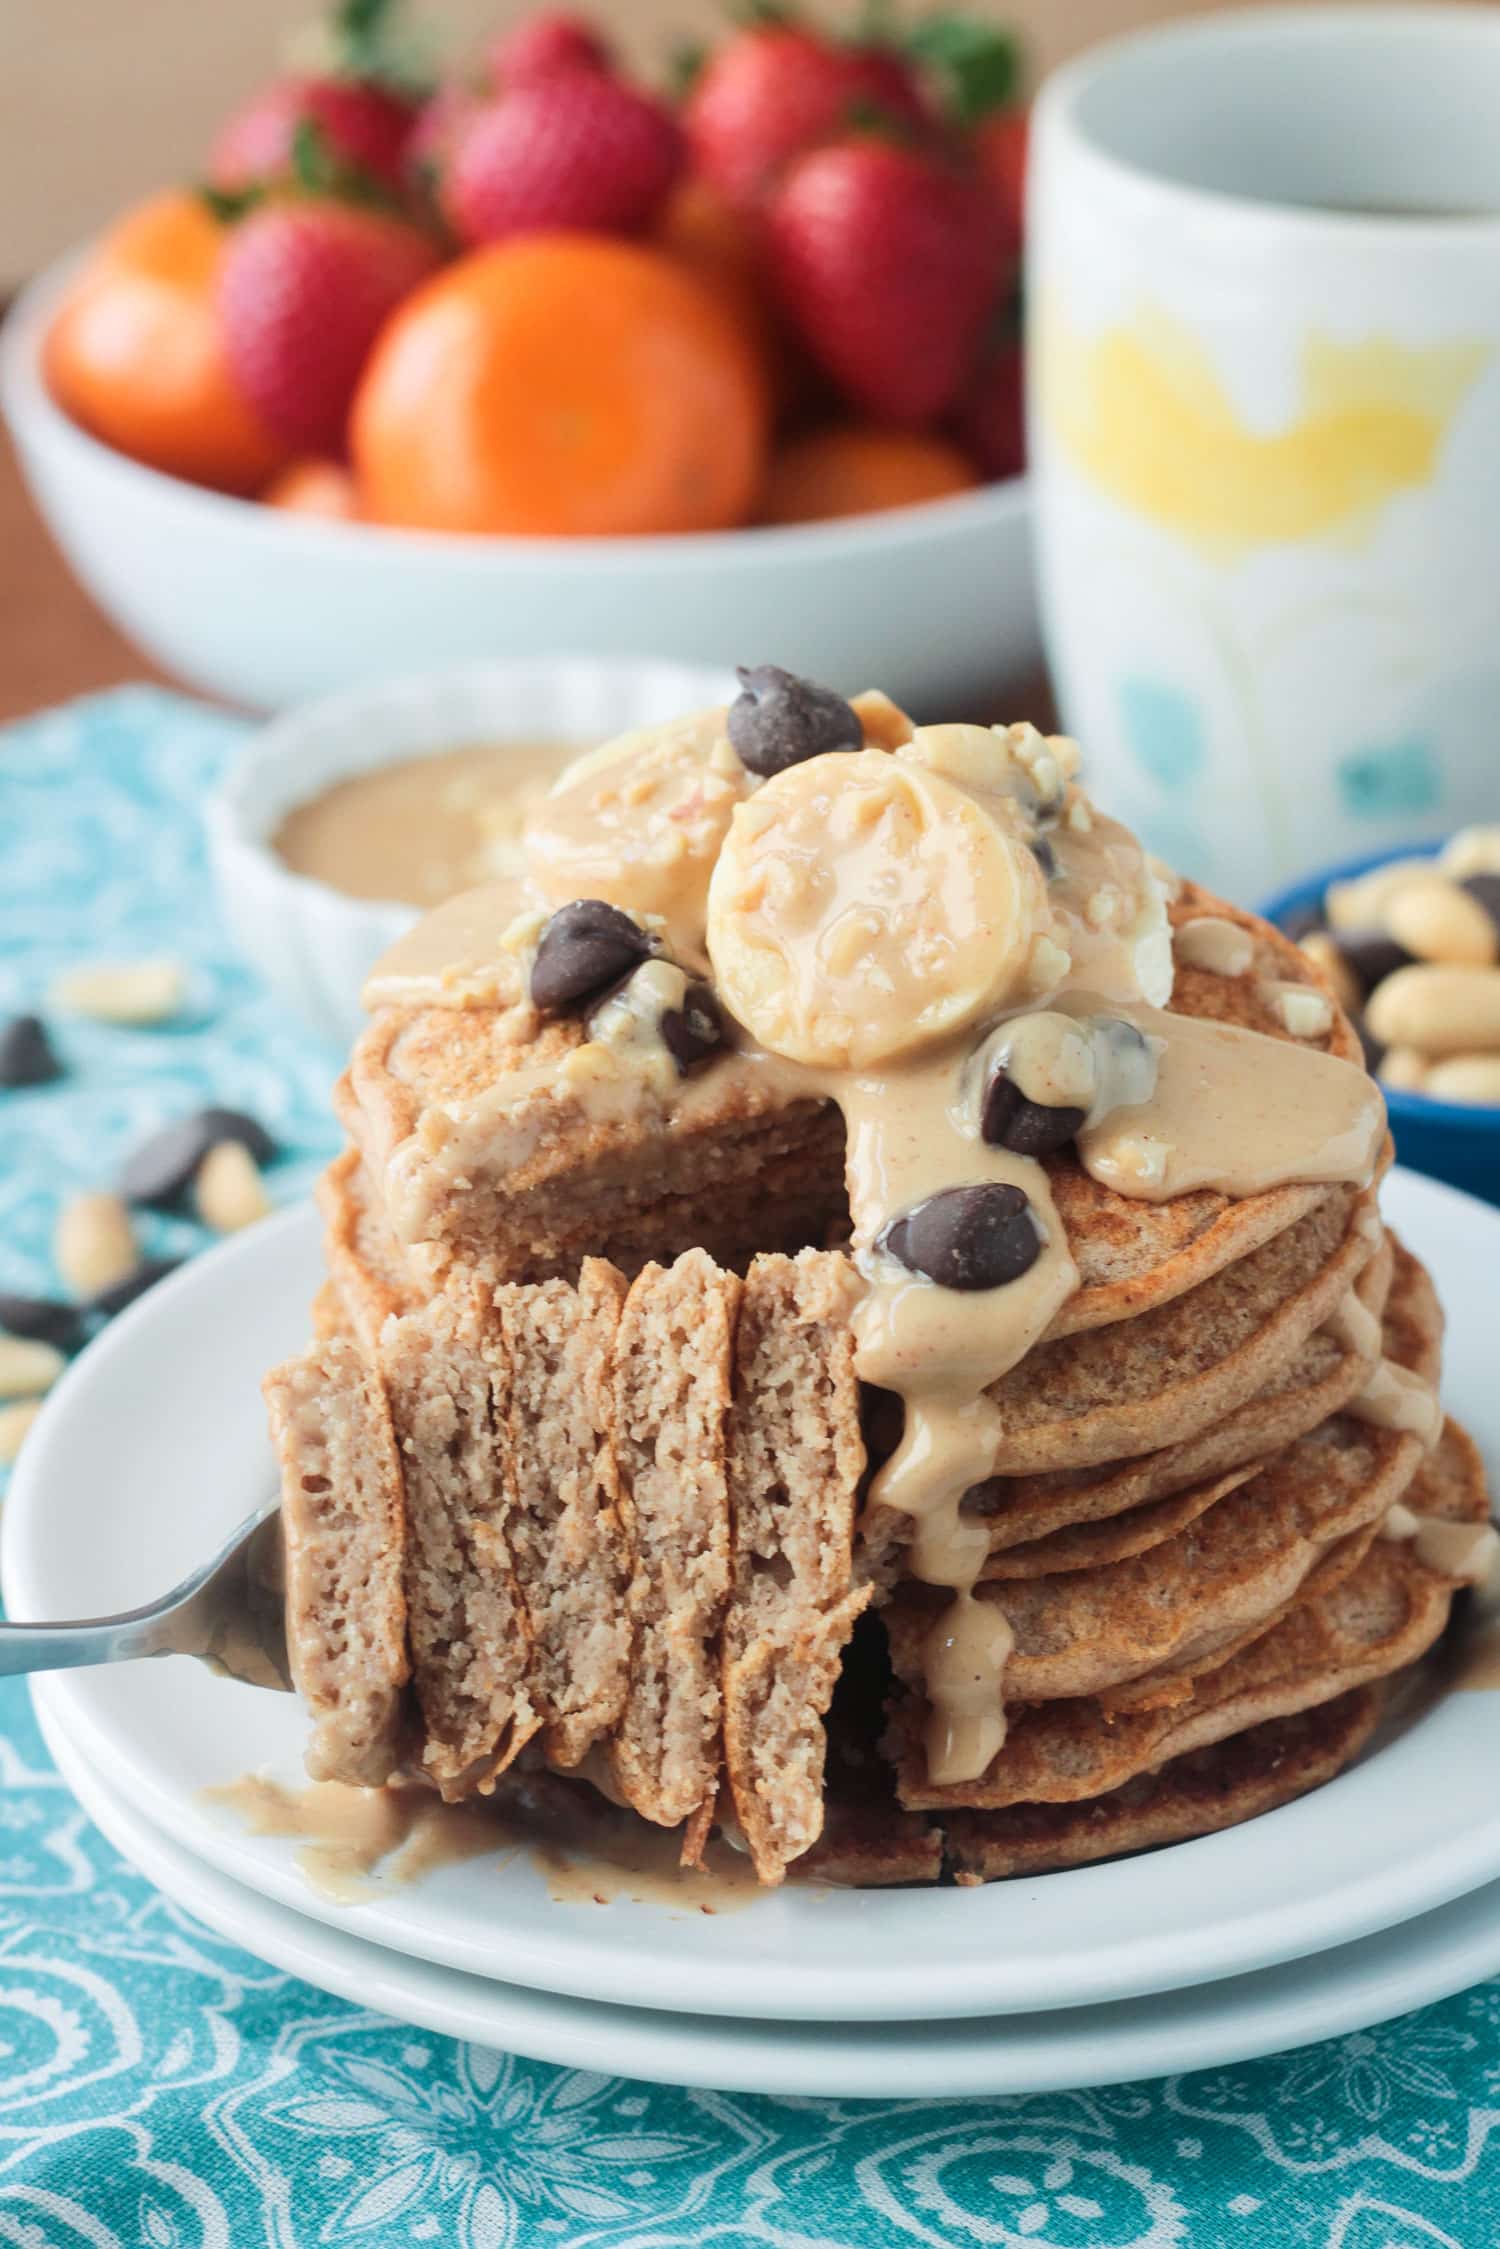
864 906
639 822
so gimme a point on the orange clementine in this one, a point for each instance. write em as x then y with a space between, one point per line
565 384
309 487
857 468
137 357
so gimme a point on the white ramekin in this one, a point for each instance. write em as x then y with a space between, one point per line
313 945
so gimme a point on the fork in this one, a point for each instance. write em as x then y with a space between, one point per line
228 1614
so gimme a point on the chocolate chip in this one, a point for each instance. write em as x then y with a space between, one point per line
1008 1119
1301 921
164 1167
109 1301
694 1031
779 720
26 1055
1371 955
1045 857
967 1237
1485 891
1374 1049
583 949
42 1319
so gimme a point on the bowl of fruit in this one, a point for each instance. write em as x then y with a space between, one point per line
538 360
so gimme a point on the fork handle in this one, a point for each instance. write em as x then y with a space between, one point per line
62 1647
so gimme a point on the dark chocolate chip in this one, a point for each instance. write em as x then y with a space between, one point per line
42 1319
779 720
694 1031
1374 1048
583 949
164 1167
1485 891
983 1501
1371 956
115 1298
967 1237
1045 856
1301 921
1008 1119
26 1055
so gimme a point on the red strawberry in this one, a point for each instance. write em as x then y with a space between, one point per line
1000 144
771 92
991 418
364 126
305 287
887 260
444 118
583 150
544 46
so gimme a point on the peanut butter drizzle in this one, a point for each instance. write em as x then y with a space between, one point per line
356 1840
842 997
1468 1552
1395 1398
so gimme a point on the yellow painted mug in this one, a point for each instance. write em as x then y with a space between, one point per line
1264 396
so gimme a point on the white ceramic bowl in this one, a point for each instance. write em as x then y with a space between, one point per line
313 945
933 603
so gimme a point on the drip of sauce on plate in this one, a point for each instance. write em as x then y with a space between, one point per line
416 832
356 1841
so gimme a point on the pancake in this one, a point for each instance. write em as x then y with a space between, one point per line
466 1614
795 1459
1199 1794
343 1531
1324 1375
672 1385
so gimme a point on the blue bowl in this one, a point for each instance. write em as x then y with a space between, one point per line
1451 1140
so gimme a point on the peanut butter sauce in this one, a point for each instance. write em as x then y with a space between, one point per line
884 927
418 831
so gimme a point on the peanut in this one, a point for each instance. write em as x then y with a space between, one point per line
94 1245
1439 922
15 1421
1473 851
1302 1009
144 991
27 1368
1403 1068
1438 1010
228 1189
1465 1077
1362 902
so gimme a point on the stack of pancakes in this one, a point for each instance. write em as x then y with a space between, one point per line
576 1474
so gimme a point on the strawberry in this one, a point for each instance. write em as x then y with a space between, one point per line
887 260
545 46
1000 147
305 287
354 100
583 150
776 89
443 119
367 128
990 422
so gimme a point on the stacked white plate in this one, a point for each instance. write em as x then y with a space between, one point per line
1375 1894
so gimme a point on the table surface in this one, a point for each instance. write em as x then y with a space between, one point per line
53 642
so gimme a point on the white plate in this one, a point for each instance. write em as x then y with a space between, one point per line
153 1445
1224 2023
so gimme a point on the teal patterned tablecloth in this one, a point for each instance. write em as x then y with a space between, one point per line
159 2087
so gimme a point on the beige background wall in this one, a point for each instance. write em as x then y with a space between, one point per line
102 99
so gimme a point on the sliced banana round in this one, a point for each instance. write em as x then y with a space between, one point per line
639 822
864 906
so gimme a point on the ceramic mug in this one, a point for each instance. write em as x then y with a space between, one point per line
1265 421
